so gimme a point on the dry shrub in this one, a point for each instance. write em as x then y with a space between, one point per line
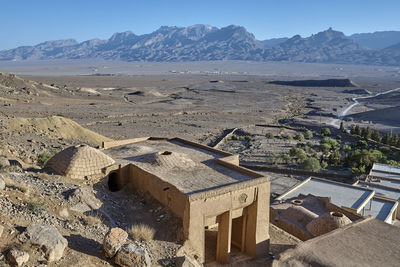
16 185
36 206
91 220
142 232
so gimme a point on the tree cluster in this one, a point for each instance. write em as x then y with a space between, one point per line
373 134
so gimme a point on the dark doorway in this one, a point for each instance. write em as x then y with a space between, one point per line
114 183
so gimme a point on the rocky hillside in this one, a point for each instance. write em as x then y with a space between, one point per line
327 46
198 42
376 40
203 42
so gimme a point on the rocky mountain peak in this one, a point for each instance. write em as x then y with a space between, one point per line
204 42
120 36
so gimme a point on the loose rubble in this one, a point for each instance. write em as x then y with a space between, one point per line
17 257
113 241
47 237
131 254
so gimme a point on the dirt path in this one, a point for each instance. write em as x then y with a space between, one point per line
336 122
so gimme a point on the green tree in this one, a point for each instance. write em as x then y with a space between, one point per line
325 132
299 154
334 145
334 158
361 144
357 130
325 148
308 134
286 158
366 132
364 159
353 130
342 127
376 136
394 140
299 137
386 139
311 164
324 164
269 135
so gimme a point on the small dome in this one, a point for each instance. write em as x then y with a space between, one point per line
79 161
299 214
168 159
327 222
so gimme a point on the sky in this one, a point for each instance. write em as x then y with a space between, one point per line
29 22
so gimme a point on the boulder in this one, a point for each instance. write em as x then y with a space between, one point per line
1 230
17 257
63 213
185 261
113 241
83 200
4 162
49 239
131 254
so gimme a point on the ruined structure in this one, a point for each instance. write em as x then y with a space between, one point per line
360 198
204 187
309 216
79 162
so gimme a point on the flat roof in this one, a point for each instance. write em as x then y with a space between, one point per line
386 168
190 168
381 191
367 243
341 194
384 175
384 182
381 209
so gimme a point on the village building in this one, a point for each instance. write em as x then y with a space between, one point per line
205 187
356 198
308 216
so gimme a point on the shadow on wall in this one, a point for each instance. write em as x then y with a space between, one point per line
128 206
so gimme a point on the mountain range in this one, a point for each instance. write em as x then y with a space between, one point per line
204 42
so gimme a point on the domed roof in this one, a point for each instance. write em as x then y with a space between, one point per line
167 159
299 214
79 161
327 222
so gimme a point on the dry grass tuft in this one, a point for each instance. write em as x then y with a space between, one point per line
142 232
91 220
16 185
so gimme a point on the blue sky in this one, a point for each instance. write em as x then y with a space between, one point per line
28 22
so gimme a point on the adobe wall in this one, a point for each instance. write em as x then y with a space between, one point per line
234 159
252 201
164 192
111 144
294 171
217 151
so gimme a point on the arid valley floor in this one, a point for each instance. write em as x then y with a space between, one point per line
200 101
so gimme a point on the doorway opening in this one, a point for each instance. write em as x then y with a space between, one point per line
114 183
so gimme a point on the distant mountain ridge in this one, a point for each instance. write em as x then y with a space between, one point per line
205 42
376 40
